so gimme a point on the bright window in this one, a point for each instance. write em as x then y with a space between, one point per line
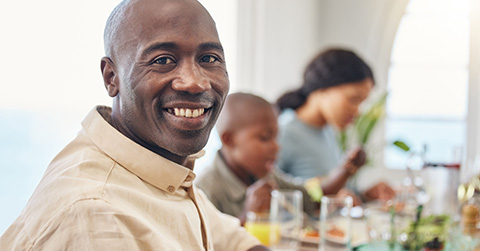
428 80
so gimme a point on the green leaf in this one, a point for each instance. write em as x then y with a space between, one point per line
401 145
343 140
368 130
367 121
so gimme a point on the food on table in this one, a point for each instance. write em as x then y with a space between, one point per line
334 231
431 230
398 206
470 214
310 232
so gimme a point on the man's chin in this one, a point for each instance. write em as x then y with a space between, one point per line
184 148
185 152
181 144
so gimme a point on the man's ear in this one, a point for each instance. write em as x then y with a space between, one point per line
110 78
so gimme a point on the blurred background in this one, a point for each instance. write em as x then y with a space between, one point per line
424 53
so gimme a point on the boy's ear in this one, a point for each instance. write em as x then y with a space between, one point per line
227 139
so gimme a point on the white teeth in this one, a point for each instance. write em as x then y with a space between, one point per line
186 112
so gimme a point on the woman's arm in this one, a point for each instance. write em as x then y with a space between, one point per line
338 177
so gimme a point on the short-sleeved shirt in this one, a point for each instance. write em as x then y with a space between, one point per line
306 151
105 192
228 193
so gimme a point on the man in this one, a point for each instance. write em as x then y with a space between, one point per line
125 182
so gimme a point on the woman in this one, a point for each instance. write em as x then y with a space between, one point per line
335 83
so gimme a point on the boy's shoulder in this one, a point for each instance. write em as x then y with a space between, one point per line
208 177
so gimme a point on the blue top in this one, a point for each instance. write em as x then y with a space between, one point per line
306 151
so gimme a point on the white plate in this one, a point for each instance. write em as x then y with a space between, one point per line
359 235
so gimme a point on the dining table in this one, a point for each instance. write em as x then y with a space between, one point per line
424 216
456 235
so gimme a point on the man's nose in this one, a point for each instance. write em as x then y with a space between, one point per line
191 79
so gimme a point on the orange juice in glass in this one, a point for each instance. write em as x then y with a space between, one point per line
258 225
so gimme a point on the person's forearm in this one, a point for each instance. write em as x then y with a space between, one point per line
335 181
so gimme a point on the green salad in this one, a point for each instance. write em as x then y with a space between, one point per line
430 231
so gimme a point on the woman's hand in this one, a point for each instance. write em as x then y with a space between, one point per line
355 159
381 191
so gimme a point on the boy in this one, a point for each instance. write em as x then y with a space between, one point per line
242 174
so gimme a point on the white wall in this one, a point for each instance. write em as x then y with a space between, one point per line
277 38
473 134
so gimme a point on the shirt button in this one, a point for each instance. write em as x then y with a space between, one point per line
171 189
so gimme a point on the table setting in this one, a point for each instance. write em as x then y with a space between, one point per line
423 216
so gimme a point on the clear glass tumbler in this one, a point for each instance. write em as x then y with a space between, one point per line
286 219
335 223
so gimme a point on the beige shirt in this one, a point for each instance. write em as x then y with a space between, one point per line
105 192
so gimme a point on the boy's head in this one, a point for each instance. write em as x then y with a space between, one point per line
248 129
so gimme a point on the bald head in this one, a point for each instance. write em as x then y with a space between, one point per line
241 110
132 19
112 27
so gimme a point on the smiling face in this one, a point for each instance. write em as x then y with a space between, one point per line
166 71
339 105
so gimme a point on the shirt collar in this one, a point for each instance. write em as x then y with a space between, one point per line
236 189
149 166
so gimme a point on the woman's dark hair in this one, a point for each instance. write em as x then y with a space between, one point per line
332 67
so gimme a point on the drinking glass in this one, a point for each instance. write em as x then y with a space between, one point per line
335 223
258 225
286 219
379 224
386 225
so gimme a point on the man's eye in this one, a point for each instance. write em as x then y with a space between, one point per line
163 60
208 59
